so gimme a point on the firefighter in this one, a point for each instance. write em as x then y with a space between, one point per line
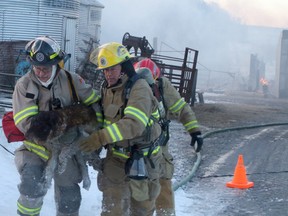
131 136
173 105
44 88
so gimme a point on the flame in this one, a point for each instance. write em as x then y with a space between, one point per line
263 81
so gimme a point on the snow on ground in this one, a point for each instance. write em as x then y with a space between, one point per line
186 204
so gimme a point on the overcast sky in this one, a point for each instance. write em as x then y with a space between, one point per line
271 13
223 31
150 17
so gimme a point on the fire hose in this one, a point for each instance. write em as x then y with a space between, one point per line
198 155
210 133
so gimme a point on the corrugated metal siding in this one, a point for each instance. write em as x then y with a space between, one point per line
26 26
92 3
89 32
64 7
1 23
70 45
61 7
19 5
83 18
95 16
24 20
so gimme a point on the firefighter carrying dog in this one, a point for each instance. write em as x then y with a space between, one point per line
46 88
132 136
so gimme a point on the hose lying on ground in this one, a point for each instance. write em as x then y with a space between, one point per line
208 134
198 160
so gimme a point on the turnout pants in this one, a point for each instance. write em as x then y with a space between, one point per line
33 188
123 196
165 204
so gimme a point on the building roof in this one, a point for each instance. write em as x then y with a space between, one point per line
92 2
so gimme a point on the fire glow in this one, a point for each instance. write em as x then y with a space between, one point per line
263 81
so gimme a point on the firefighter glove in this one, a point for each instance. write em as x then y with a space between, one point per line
94 160
196 141
91 143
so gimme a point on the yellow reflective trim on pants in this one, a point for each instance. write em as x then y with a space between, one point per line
120 154
30 111
28 211
137 113
178 105
41 151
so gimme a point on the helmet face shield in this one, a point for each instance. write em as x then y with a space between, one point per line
109 55
44 51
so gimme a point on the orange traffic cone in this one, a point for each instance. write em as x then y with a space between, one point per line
240 179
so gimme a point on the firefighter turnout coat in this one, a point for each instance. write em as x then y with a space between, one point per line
129 123
177 107
32 159
30 98
126 124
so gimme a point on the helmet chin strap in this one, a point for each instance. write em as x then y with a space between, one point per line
50 80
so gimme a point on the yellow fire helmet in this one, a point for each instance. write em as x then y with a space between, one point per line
109 55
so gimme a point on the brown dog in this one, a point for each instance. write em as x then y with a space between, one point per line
48 127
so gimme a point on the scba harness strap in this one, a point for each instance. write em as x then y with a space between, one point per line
154 146
158 92
72 88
